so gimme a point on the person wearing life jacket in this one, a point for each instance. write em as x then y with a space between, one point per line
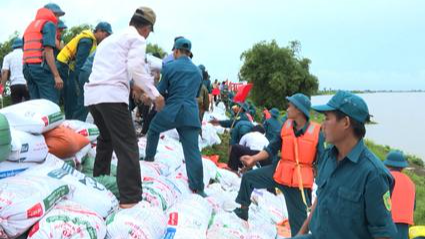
403 196
353 185
300 144
70 61
40 71
273 125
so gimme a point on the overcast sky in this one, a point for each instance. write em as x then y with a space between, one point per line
356 44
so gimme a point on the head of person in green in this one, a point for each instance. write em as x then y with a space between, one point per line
143 20
182 47
102 31
298 107
274 112
238 106
395 160
345 118
55 9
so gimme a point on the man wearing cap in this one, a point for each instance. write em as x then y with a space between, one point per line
12 70
273 125
403 196
70 60
118 60
170 57
354 187
235 118
181 79
43 79
300 144
59 37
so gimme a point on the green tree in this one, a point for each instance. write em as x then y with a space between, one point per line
6 46
155 50
70 33
277 72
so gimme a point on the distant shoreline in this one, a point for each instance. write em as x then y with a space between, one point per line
331 92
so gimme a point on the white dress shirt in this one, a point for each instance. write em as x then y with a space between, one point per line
119 59
13 63
254 141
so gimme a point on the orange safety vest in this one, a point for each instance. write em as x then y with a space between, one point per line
297 156
403 199
33 36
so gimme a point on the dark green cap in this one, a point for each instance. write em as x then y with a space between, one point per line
302 102
183 44
396 159
349 104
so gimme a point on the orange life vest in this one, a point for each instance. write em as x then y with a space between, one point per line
267 114
33 36
297 156
403 199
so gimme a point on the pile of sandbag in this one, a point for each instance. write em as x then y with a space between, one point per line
88 192
189 218
142 221
69 220
24 200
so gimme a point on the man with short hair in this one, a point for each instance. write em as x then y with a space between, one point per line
118 60
353 185
70 61
301 145
12 70
40 71
181 80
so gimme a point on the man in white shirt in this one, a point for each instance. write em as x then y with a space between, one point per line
118 60
250 144
12 70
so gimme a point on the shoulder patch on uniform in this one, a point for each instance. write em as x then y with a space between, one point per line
387 200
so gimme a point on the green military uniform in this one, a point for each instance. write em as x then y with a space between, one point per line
273 125
181 79
353 194
81 111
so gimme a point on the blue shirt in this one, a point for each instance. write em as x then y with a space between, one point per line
49 34
83 52
228 123
86 69
181 80
351 196
272 127
242 128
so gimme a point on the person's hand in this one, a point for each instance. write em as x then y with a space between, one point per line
159 103
214 121
58 82
248 162
146 100
136 93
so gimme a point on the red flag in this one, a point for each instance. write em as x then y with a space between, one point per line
243 92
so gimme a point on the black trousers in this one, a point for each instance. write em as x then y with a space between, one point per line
19 93
238 151
147 115
117 134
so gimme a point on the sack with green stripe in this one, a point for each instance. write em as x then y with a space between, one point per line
34 116
69 220
88 130
24 200
5 138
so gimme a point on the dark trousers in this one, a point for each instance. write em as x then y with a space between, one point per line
237 152
263 178
147 115
41 83
402 231
19 93
189 139
117 134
